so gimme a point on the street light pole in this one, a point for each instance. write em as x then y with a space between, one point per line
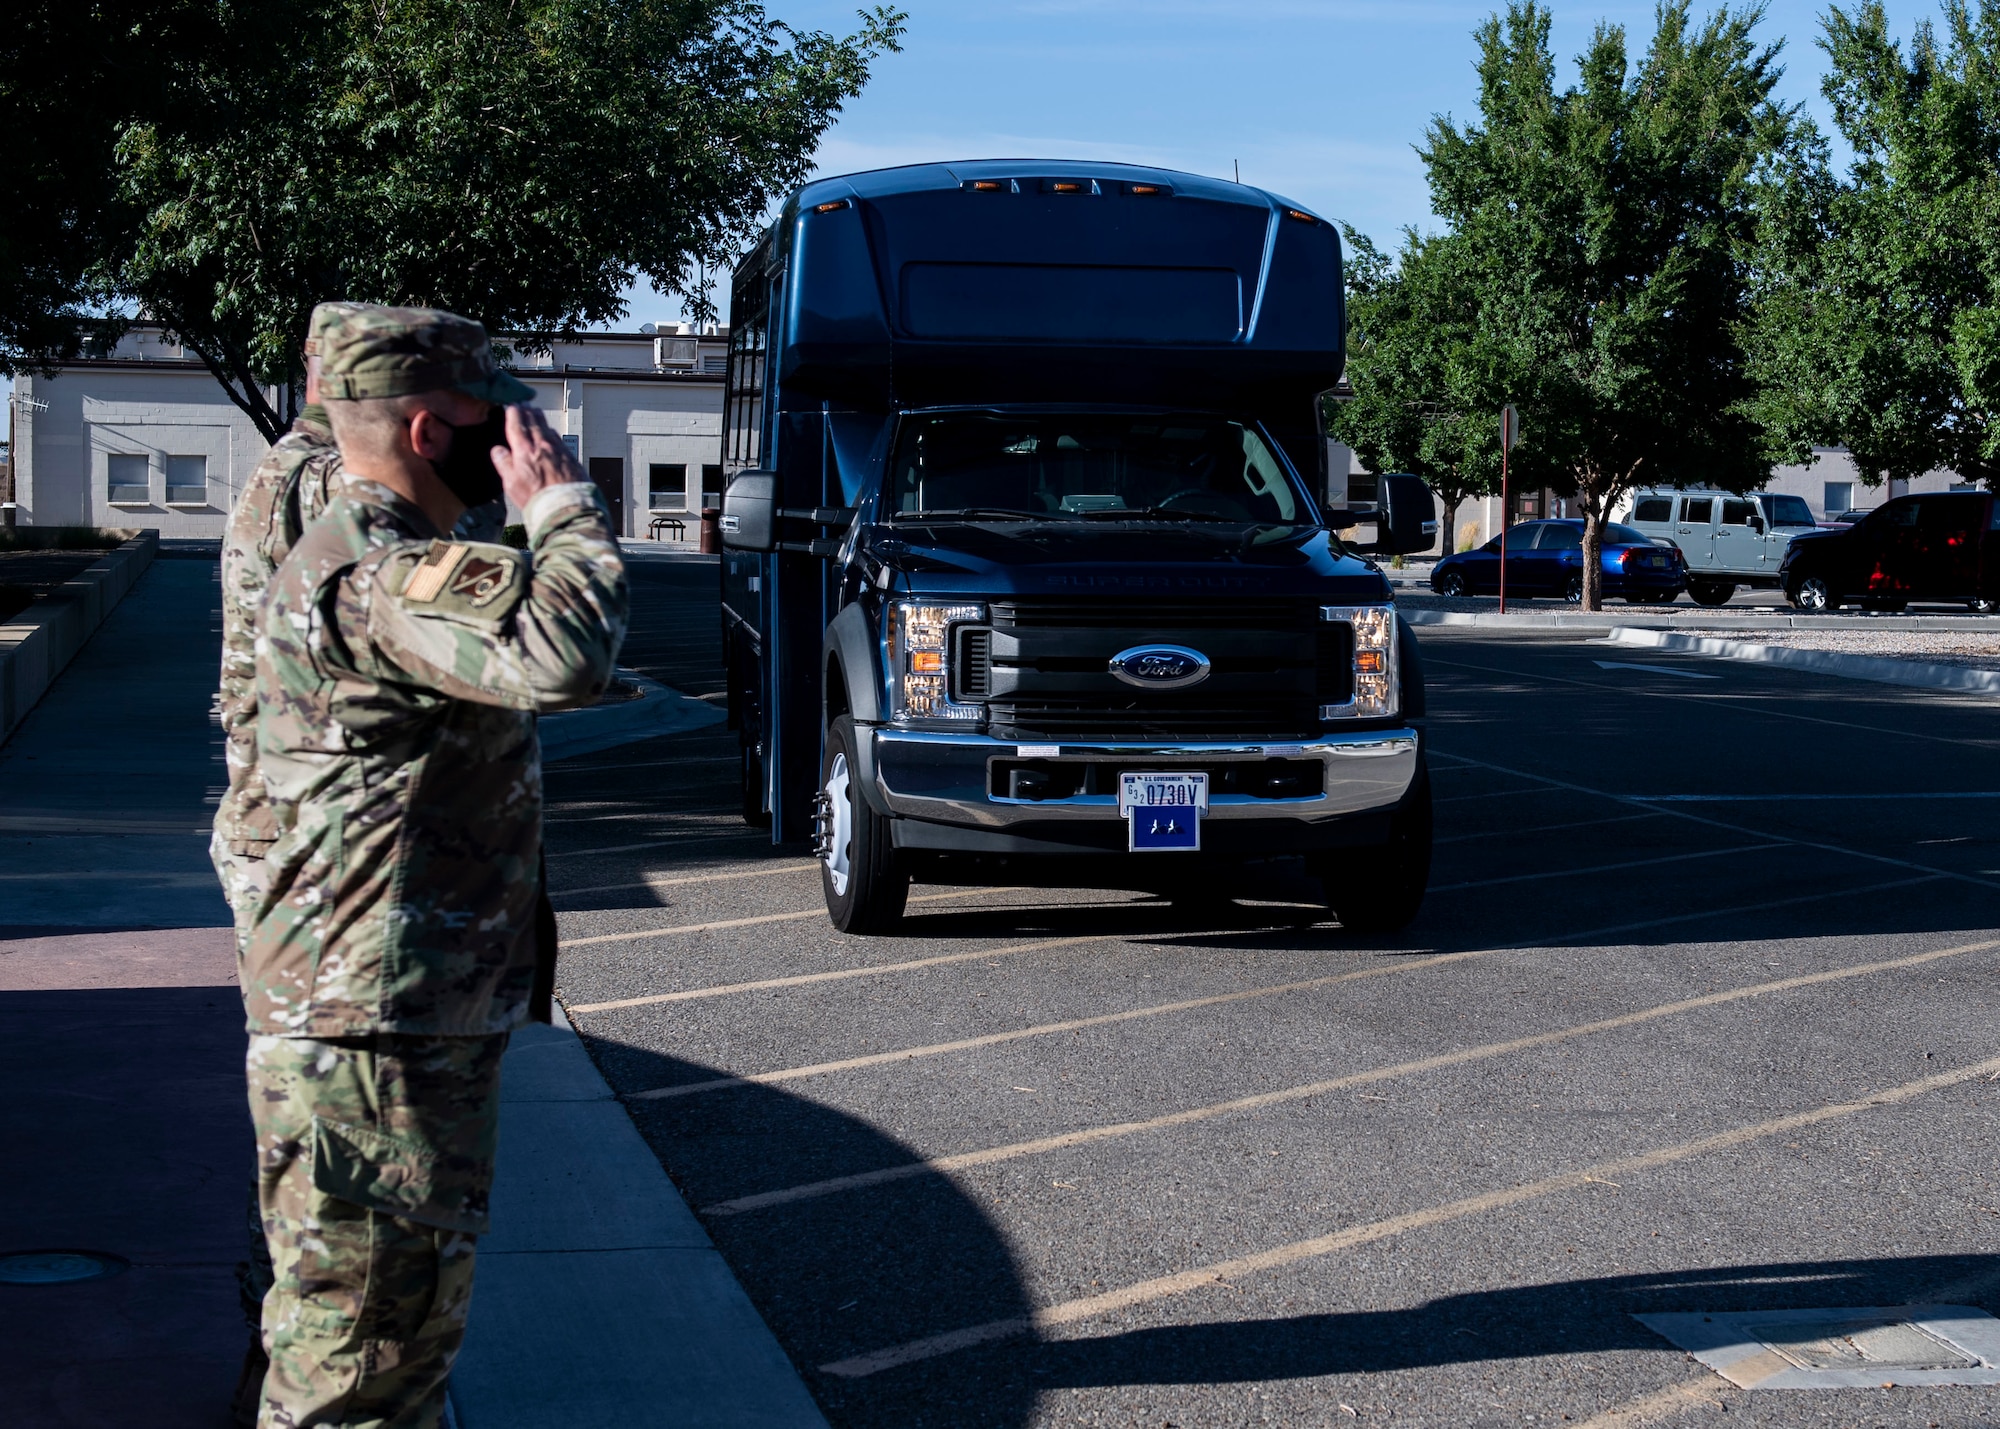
1510 427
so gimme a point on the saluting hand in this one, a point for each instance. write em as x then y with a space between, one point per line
533 458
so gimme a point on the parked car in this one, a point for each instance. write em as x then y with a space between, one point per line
1942 547
1546 558
1726 540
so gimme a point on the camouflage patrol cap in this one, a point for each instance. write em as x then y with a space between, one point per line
369 351
323 317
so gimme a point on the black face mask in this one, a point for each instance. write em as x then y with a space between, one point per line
468 467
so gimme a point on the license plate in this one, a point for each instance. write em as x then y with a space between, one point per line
1162 811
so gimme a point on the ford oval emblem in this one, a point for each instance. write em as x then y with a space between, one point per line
1160 667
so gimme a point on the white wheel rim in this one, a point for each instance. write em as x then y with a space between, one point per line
839 825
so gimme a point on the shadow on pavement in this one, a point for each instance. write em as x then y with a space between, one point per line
844 1275
1568 1317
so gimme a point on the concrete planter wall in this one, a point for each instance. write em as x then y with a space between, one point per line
37 644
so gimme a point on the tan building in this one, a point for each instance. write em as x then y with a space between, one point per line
146 437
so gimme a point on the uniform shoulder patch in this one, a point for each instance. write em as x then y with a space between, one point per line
428 576
465 578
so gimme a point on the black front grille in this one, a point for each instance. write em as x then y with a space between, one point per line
1154 718
1138 612
1043 668
1336 663
972 664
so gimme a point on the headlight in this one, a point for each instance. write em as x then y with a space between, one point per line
1377 690
919 640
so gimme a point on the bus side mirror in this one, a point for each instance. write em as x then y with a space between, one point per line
1407 512
750 512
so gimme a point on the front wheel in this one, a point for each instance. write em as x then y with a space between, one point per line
863 876
1814 596
1711 592
1451 583
1573 592
1380 889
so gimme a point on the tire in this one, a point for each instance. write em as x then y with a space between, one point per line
753 788
1814 595
863 876
1983 607
1710 592
1573 592
1451 583
1379 889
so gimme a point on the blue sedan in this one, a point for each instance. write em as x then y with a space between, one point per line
1546 558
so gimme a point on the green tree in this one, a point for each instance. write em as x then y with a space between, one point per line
1878 295
1422 369
70 74
1609 228
520 161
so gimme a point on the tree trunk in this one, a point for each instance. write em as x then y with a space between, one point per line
1594 505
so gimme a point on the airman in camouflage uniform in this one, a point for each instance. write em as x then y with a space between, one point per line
284 495
393 951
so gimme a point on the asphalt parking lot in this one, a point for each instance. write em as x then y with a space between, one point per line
1699 1016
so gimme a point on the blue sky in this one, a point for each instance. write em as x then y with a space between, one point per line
1320 100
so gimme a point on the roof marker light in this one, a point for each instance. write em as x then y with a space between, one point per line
830 207
1301 215
1066 186
987 186
1145 190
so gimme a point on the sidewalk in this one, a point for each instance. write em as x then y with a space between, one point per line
600 1300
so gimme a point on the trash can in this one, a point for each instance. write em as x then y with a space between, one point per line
711 531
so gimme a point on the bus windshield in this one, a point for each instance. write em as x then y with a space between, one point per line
1084 466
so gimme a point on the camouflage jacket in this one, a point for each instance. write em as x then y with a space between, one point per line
396 709
285 494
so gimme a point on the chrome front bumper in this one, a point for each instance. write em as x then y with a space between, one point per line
946 778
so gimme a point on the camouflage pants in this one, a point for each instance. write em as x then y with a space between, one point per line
375 1159
244 877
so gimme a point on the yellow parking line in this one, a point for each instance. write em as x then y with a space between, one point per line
770 868
966 1160
1401 965
1220 1272
722 923
1658 1406
1541 875
1046 1029
801 979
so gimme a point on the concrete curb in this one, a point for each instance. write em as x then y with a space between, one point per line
1700 619
37 644
601 1303
1916 673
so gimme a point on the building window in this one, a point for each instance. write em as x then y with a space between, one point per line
187 480
1839 497
667 486
711 486
715 363
129 480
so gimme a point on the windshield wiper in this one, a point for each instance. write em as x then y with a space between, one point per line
968 513
1155 513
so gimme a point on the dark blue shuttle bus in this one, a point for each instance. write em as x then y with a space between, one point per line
1025 577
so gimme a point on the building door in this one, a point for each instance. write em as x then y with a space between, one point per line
609 474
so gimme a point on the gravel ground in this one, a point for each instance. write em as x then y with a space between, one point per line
1942 647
